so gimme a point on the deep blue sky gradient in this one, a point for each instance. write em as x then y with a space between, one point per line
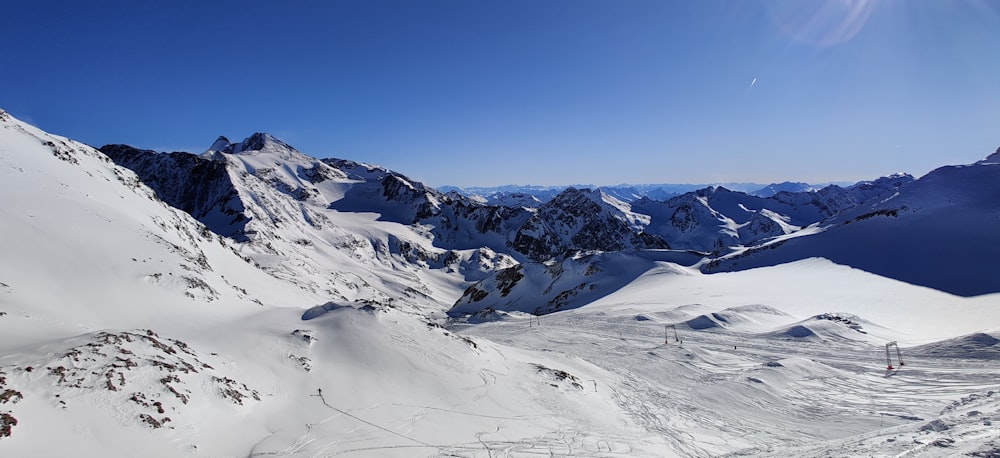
470 92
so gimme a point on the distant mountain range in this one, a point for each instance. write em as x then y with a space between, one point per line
257 189
532 196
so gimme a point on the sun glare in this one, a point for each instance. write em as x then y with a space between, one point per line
825 23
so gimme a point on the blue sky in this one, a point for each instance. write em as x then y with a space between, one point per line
470 92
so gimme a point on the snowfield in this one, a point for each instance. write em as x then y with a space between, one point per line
127 328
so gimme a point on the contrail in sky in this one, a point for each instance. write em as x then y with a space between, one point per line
752 83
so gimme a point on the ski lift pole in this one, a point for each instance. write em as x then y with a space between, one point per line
888 355
666 334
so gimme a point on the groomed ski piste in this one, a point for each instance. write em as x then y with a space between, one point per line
781 361
127 330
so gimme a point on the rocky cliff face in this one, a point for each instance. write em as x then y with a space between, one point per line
583 220
200 187
454 221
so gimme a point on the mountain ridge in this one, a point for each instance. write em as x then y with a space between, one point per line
728 227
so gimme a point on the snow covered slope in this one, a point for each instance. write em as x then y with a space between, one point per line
91 262
783 361
122 317
541 288
941 231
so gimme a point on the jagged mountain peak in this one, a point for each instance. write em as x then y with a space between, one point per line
256 144
513 199
590 202
583 220
259 141
572 195
709 191
587 198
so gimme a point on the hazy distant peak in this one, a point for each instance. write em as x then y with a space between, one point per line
787 186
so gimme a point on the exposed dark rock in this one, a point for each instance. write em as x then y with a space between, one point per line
198 186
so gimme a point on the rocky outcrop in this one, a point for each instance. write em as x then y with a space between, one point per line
583 220
200 187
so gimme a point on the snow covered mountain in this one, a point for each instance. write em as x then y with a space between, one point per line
583 220
514 199
92 261
895 226
254 301
714 220
250 189
299 213
941 231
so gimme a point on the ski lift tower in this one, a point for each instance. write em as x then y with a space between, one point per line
666 334
888 355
